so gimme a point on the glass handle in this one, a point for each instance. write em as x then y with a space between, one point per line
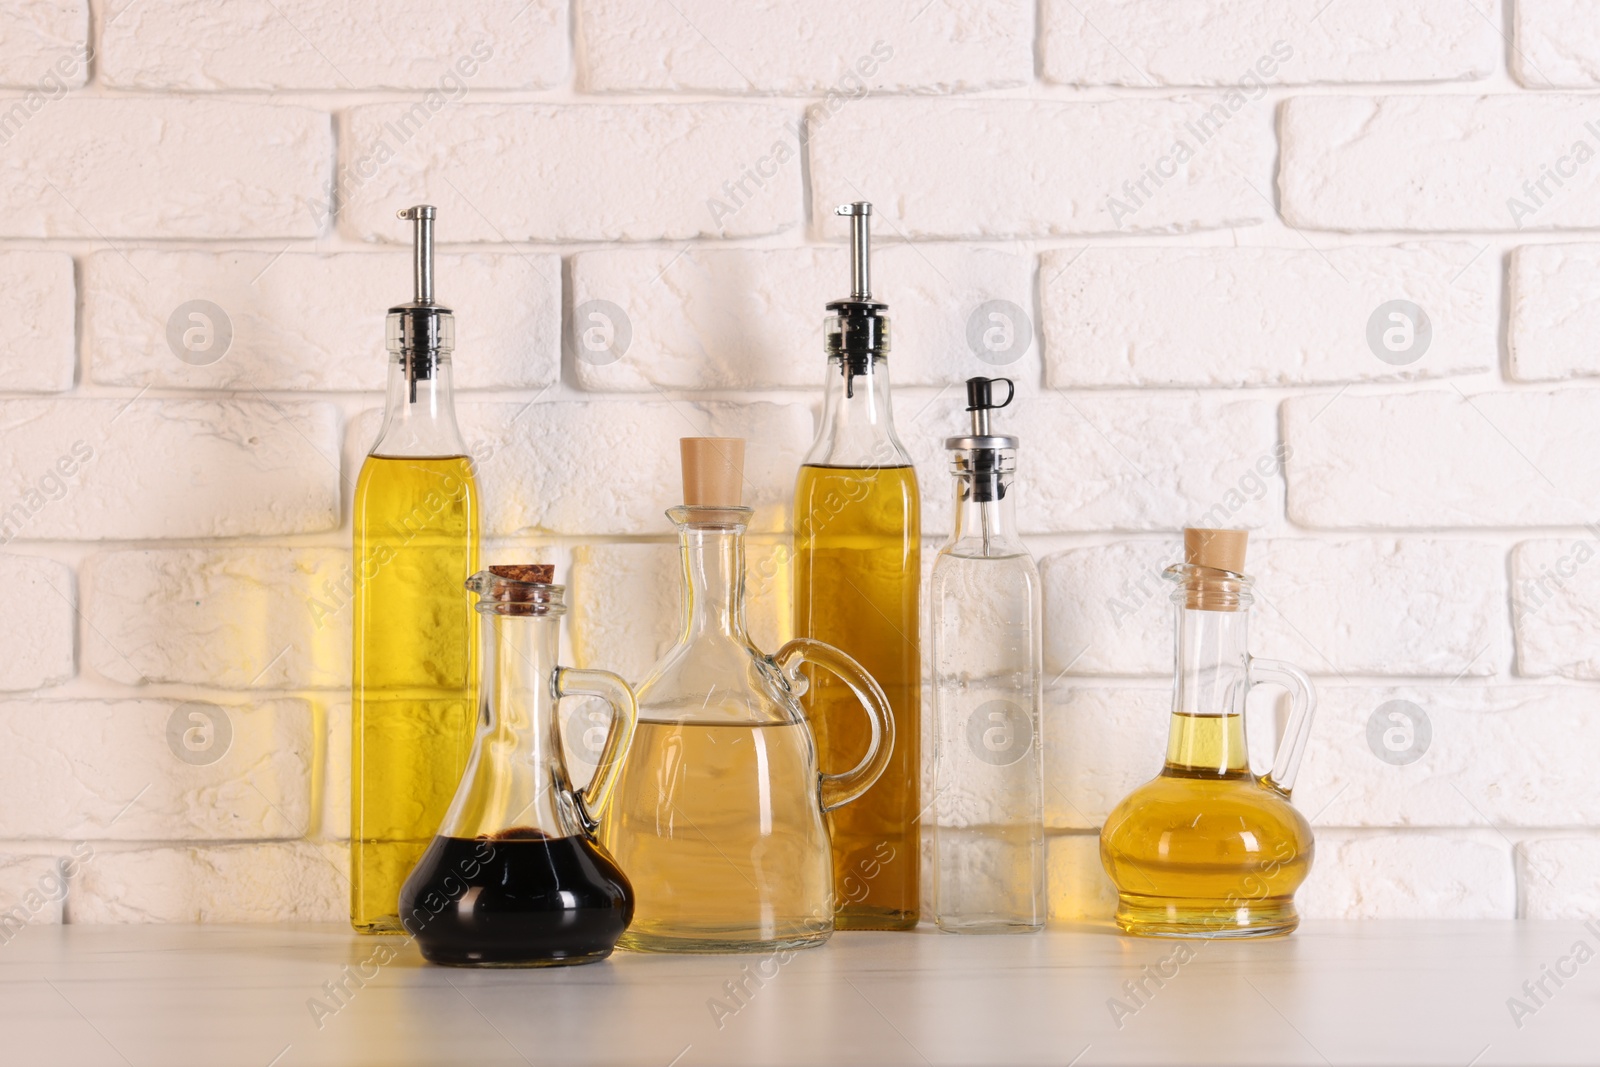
570 682
1302 707
837 790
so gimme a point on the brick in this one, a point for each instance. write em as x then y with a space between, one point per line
37 298
206 169
1434 771
283 882
1374 163
302 321
246 618
612 467
984 175
1559 878
1146 463
1555 611
305 44
1269 316
333 813
1329 606
1102 743
89 469
1079 888
627 602
44 45
32 890
132 770
1360 875
626 172
1553 324
832 46
1442 458
750 318
1555 44
1290 42
37 622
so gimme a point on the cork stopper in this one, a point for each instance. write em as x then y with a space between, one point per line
541 573
518 589
1214 559
1221 550
713 471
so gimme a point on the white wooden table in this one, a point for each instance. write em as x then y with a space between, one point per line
1334 993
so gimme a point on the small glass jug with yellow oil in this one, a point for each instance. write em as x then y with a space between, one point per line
718 815
1209 849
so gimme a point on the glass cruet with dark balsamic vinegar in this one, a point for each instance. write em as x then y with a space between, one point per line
515 877
858 573
415 535
1207 848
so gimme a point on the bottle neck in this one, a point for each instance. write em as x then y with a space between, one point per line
419 414
516 778
857 427
1207 737
713 580
985 508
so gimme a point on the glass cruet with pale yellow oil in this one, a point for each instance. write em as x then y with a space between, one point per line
718 814
1208 848
415 519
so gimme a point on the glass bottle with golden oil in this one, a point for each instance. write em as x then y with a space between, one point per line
718 813
416 519
1208 849
858 571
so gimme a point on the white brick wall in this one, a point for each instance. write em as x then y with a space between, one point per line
1181 229
290 322
312 44
1289 42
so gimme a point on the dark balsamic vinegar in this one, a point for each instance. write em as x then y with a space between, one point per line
518 899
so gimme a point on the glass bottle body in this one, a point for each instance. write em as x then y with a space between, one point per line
719 813
858 573
416 521
1207 848
988 740
514 877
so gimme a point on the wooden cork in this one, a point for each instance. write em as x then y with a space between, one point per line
538 573
1221 550
713 471
1216 556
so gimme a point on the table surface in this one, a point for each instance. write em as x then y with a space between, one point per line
1333 993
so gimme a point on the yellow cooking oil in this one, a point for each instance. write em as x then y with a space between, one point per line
717 826
414 670
1206 849
857 576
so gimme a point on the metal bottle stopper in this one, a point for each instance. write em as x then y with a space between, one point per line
422 330
857 328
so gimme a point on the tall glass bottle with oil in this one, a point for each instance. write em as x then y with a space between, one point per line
414 662
857 529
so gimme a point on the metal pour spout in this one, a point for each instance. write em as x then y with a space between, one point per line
860 215
421 330
421 250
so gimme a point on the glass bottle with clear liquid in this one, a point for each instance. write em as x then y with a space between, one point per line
515 877
415 519
718 816
858 578
1208 848
988 760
